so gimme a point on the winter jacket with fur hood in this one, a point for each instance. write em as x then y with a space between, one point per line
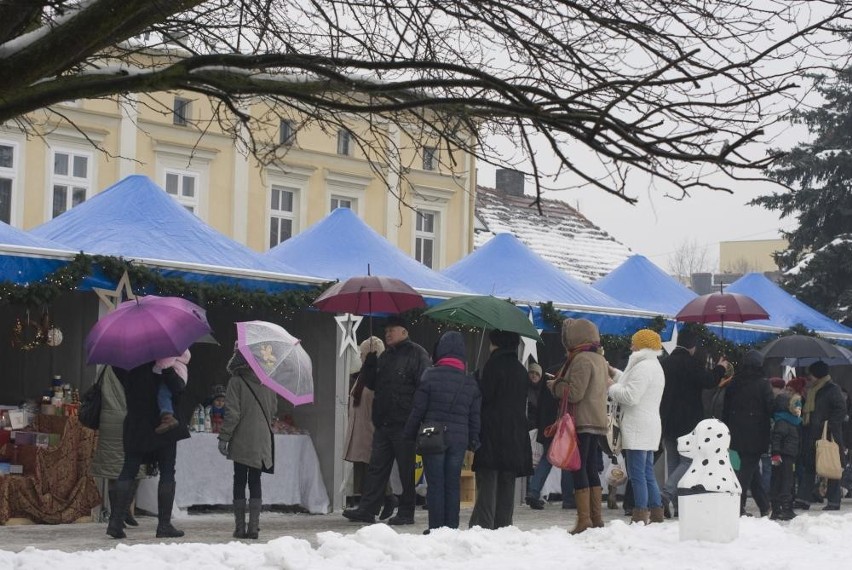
639 390
585 378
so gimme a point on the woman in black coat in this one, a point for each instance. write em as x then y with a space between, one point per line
143 445
447 396
748 408
505 453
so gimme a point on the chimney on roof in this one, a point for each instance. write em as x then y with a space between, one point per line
510 182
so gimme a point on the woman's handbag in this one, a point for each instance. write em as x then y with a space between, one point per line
828 457
564 451
430 438
612 442
89 413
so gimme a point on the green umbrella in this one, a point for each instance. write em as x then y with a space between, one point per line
484 311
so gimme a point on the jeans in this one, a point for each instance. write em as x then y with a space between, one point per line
676 466
389 445
542 470
590 455
640 471
164 399
495 499
244 474
443 493
164 456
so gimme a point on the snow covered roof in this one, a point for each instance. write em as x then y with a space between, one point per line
561 234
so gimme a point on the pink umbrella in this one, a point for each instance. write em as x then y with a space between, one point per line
145 329
721 307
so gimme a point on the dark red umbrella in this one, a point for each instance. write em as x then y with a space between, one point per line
368 294
721 307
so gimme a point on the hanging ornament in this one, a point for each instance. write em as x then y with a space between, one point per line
54 336
27 335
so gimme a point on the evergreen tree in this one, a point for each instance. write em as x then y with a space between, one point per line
817 266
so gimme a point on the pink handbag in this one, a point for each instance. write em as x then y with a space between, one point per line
564 452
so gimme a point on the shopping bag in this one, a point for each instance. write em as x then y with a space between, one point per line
564 452
828 457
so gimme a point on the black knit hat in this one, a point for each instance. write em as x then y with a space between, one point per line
396 321
687 338
818 369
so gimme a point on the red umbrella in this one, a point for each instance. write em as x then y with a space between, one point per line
721 307
369 294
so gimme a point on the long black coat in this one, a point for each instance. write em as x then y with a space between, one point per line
504 435
686 378
143 415
749 404
449 396
830 406
547 410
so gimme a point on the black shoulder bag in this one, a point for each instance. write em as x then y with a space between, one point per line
430 436
271 468
91 403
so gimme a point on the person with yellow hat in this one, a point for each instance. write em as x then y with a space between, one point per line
639 390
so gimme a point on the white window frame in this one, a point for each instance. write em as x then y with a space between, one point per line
345 135
12 173
292 215
190 203
292 178
433 236
172 158
343 202
291 129
433 200
430 153
68 180
185 118
347 186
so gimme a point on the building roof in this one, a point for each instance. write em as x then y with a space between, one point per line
561 234
641 283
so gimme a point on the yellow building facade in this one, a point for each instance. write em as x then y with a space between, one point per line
750 255
423 203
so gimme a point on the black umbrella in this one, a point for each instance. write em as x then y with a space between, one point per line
806 350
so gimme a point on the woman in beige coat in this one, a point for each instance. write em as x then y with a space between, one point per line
584 377
246 439
359 426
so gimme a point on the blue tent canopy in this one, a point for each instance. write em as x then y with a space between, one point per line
784 309
505 267
136 219
25 258
341 245
641 283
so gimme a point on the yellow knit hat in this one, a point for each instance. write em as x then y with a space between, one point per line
647 338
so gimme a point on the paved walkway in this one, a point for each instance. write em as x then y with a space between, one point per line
216 527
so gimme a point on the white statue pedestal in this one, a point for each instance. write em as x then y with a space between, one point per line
711 517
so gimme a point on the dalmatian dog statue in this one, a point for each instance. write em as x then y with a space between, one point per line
711 469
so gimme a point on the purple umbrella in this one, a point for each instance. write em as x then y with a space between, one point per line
145 329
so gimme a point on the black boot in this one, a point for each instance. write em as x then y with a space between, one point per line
239 518
254 518
165 501
120 498
129 520
391 503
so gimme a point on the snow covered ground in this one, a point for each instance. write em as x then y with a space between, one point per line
814 540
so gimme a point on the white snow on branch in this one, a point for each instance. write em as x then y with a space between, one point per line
25 40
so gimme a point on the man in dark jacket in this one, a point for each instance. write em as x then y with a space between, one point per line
681 407
823 404
393 377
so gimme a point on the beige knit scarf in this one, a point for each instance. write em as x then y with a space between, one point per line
810 398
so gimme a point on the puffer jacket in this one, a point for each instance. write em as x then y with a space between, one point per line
247 423
639 390
449 396
786 437
585 379
109 454
504 436
394 378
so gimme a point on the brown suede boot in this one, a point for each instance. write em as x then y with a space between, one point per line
584 520
595 506
167 421
657 515
640 516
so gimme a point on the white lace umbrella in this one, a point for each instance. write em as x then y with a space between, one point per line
278 359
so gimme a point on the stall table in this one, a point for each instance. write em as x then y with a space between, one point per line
205 477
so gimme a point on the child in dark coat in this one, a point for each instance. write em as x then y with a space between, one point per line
784 449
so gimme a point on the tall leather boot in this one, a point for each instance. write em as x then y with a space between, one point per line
595 506
120 498
254 518
584 520
239 518
129 520
657 515
165 501
640 516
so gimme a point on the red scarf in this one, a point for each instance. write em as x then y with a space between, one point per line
451 362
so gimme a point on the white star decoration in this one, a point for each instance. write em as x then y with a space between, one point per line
113 298
672 342
530 345
348 324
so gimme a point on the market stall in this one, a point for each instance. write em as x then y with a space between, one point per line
55 486
205 477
